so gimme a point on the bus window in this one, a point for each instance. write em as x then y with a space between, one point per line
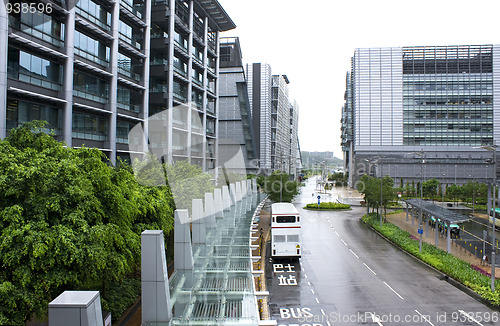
292 238
279 238
285 219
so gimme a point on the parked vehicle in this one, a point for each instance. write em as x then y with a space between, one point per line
285 231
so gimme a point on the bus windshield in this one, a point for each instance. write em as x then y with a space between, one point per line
285 219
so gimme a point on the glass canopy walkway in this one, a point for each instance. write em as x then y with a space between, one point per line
220 289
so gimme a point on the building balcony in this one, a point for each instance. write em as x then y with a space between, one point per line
94 20
129 74
159 10
49 38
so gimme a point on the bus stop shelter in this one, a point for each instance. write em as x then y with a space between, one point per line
448 217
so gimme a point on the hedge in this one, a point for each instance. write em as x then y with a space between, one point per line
328 206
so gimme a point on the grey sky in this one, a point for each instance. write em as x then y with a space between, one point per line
312 43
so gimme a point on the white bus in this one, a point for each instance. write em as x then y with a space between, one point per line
285 231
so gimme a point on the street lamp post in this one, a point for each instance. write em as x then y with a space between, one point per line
421 154
381 180
492 149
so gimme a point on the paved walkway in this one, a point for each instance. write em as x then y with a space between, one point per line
456 250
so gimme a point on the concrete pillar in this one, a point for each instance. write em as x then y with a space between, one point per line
412 215
238 192
427 226
69 36
113 83
226 199
218 203
198 218
436 232
406 212
209 211
254 185
448 238
243 188
76 308
232 193
183 251
155 291
4 40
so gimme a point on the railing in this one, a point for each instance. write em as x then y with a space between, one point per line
91 57
33 80
129 107
182 11
137 10
52 39
90 96
92 19
129 73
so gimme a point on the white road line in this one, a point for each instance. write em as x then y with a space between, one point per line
354 253
469 317
343 242
323 312
376 319
394 291
317 300
312 291
371 270
424 317
309 283
328 323
338 235
305 275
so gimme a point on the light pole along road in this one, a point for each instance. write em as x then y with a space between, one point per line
348 275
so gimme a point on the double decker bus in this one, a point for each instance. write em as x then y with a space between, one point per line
285 231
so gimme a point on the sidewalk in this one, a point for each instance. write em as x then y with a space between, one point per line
456 250
260 282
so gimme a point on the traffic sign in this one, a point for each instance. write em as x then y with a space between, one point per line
319 197
420 231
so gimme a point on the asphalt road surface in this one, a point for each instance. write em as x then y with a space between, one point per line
348 275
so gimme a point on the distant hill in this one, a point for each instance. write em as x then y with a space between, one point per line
311 158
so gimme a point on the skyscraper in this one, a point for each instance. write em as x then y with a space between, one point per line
237 144
427 108
95 69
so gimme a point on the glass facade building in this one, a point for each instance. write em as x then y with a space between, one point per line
436 100
97 68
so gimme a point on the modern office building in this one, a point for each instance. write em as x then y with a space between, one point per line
275 119
422 112
259 93
237 144
95 69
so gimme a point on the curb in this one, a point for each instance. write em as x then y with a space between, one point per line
444 276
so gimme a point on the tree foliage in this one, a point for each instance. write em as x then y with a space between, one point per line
371 187
278 186
67 220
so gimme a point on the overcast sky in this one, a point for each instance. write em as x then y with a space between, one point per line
312 43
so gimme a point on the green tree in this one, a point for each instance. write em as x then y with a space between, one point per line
278 185
430 188
370 187
68 220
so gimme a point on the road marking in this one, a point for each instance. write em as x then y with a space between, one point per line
371 270
328 323
305 275
309 283
354 253
424 317
317 300
323 312
338 235
343 242
376 319
312 291
470 317
393 291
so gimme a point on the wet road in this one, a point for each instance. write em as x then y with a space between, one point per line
350 276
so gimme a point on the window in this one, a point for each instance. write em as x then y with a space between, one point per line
292 238
89 126
42 26
90 87
19 112
285 219
91 49
279 238
35 70
94 12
